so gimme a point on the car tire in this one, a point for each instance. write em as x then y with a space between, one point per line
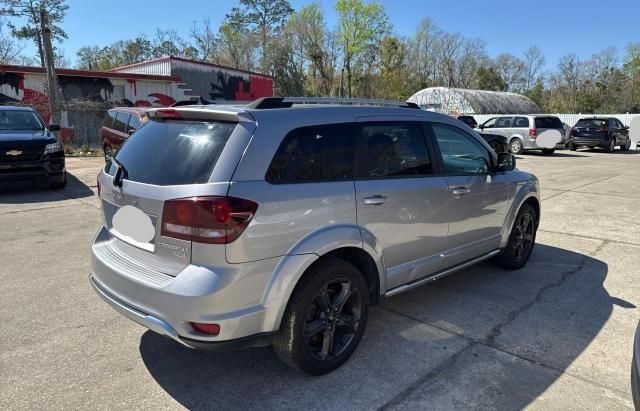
108 153
626 146
515 146
612 146
548 151
60 185
496 146
334 327
521 240
572 147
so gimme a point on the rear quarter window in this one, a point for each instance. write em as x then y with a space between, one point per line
313 154
121 121
521 122
167 152
108 119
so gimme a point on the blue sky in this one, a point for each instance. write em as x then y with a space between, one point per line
558 27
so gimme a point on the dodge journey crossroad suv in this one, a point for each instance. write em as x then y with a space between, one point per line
281 222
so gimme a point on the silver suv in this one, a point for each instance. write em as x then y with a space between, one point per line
280 222
523 132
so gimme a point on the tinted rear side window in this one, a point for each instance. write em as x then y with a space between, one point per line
121 121
173 152
548 122
108 119
521 122
134 124
318 153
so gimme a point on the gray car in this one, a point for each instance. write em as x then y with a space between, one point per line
282 222
522 132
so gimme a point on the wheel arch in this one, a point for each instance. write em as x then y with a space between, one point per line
527 195
345 242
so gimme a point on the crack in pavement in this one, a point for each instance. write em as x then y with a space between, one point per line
496 330
494 333
402 395
608 241
576 187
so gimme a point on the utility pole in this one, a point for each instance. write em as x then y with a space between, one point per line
49 65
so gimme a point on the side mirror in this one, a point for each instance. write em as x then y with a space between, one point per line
481 126
54 127
626 127
506 162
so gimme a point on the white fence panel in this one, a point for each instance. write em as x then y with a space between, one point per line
570 119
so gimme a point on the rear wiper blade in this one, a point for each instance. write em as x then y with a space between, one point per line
121 173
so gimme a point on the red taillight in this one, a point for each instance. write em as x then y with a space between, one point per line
211 329
168 113
212 220
533 133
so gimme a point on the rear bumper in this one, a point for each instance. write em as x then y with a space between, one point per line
163 328
589 142
230 296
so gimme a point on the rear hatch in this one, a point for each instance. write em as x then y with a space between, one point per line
591 128
542 125
175 155
548 123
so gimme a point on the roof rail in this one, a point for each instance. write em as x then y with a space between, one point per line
286 102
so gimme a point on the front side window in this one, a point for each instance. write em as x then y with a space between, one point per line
491 123
313 154
461 154
392 150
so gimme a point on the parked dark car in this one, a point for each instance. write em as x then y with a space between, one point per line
28 150
635 370
468 120
498 143
604 132
118 125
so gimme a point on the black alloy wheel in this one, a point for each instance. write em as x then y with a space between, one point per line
332 319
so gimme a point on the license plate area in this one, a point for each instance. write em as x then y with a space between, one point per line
110 210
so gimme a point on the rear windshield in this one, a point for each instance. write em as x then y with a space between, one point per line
591 122
548 122
165 152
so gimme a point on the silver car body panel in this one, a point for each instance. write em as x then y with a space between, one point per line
421 233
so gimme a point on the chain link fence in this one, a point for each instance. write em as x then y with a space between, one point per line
81 126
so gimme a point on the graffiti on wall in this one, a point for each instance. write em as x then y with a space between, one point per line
239 87
30 89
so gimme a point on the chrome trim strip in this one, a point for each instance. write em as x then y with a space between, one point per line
444 273
151 322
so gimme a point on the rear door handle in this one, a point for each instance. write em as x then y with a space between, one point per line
375 200
458 191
